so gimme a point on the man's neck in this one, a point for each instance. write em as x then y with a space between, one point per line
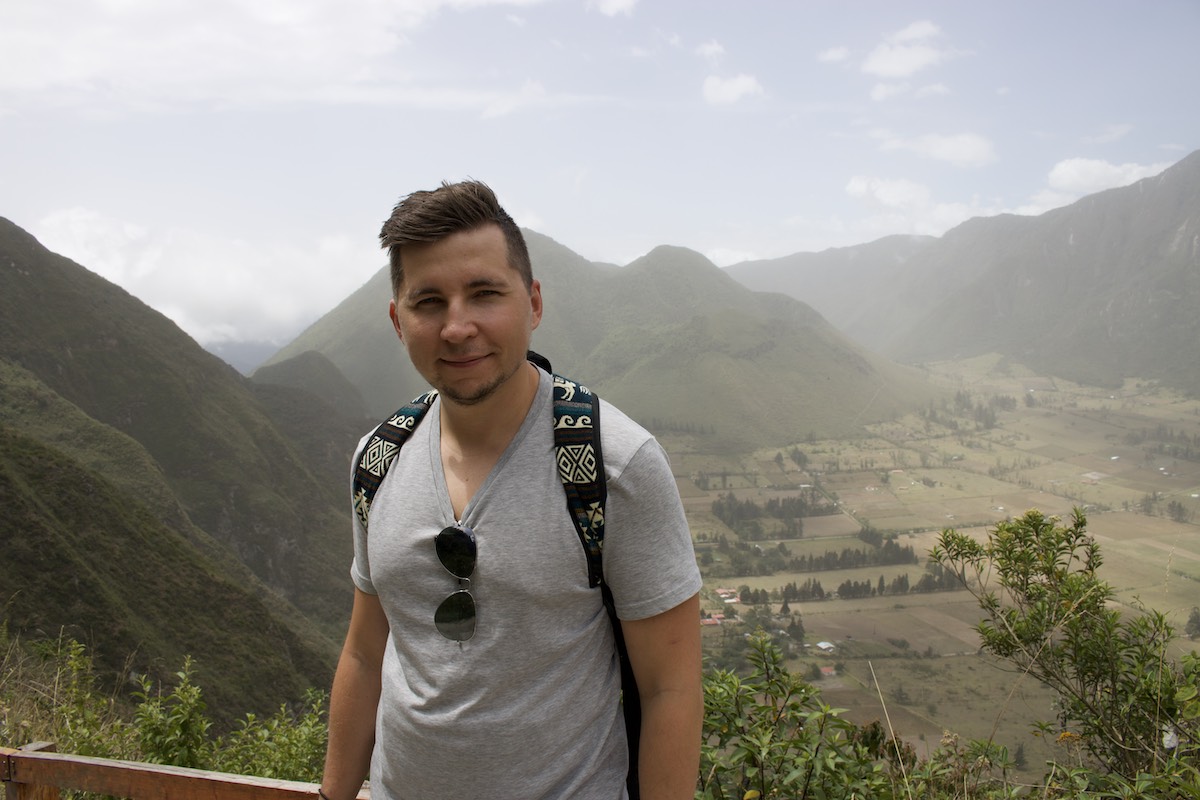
488 426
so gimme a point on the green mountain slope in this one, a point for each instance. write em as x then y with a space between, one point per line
85 557
123 364
670 338
199 524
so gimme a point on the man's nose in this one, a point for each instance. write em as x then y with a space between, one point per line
459 323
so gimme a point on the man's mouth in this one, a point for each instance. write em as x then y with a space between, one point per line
463 361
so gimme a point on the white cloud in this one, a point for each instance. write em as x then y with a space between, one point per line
962 150
885 91
610 8
712 50
834 55
903 206
720 91
215 288
1080 176
917 32
111 57
900 194
906 52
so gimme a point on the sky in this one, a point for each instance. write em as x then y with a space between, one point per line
230 162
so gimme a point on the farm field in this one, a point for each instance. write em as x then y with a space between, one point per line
1008 442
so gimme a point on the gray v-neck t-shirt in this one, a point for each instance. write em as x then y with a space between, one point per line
529 706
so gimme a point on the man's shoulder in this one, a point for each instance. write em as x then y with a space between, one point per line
620 436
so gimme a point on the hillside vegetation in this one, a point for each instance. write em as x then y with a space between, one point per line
151 507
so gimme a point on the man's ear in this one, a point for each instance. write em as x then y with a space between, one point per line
535 299
395 319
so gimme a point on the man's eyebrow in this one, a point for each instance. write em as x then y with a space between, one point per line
477 283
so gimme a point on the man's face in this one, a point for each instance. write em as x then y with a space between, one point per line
464 314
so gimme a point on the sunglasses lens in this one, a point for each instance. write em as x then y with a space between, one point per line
456 551
455 617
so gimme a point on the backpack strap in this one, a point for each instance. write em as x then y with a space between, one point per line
381 449
581 469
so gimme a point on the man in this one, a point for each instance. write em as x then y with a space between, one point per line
491 673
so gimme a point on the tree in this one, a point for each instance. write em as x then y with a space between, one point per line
1047 612
1193 624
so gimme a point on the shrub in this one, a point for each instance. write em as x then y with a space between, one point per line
1132 711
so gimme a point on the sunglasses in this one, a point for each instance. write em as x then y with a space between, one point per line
455 617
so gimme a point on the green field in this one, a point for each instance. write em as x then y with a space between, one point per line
1129 458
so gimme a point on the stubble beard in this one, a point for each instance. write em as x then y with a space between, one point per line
481 393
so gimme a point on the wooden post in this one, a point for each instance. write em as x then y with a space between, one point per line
31 791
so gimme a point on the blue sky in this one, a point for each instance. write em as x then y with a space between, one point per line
230 162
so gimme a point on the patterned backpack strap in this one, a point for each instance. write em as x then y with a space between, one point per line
581 467
381 449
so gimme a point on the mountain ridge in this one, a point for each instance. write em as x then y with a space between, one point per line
612 328
1097 291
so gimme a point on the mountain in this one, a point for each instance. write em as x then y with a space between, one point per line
1101 290
1098 291
150 503
836 281
671 339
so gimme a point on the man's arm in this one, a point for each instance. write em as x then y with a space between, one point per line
355 699
665 653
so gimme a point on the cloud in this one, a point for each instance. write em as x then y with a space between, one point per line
904 206
1080 176
722 91
216 289
901 194
712 50
834 55
961 150
884 91
610 8
107 58
906 52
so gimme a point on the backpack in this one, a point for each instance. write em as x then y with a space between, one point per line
580 467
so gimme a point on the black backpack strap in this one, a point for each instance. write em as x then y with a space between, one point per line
581 469
381 449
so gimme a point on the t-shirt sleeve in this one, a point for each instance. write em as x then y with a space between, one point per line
649 561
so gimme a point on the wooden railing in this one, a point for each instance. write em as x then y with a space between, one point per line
35 772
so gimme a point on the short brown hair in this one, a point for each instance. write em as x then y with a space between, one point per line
430 216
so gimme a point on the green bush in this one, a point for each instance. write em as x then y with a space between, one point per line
1132 711
768 735
48 692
